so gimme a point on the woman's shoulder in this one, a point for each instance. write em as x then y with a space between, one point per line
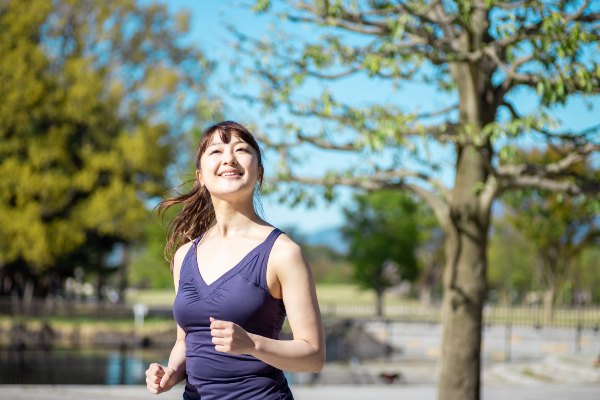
288 263
182 251
180 255
286 251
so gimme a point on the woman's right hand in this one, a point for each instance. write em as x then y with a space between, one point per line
160 379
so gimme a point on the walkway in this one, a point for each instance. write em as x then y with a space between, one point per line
333 392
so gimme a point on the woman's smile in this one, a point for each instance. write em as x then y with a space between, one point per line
231 175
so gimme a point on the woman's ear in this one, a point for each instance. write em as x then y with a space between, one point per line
261 172
199 178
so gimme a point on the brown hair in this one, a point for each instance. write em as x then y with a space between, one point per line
198 214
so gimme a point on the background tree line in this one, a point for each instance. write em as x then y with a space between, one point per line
94 94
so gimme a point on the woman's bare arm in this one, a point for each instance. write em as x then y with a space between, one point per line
177 357
160 379
306 352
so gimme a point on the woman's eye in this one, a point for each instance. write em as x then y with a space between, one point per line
214 151
241 148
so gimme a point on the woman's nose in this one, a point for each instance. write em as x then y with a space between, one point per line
229 157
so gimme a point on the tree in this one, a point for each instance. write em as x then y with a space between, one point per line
586 277
430 255
91 113
511 260
149 267
479 50
326 264
383 236
559 227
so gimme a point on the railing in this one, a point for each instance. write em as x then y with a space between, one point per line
41 308
561 317
580 317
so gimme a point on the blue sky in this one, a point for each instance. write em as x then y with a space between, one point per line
208 21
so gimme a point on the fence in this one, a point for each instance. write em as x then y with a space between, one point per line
41 308
562 317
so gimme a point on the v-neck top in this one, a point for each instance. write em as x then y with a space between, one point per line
240 295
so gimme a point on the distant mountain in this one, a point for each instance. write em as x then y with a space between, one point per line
328 237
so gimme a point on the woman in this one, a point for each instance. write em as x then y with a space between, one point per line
236 278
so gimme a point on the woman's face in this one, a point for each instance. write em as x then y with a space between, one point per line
229 170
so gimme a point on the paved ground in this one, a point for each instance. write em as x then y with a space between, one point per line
419 341
574 370
333 392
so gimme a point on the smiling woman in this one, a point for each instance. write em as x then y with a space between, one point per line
236 278
198 213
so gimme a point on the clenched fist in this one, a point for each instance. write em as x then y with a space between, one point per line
160 379
230 338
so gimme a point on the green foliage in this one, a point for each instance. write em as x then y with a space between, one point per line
383 227
149 268
326 264
511 262
261 5
545 46
84 138
557 225
585 275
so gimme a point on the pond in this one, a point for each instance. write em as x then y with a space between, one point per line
31 357
82 367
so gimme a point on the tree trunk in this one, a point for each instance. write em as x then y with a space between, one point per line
380 302
464 281
430 277
123 281
464 276
28 292
425 294
549 295
551 275
100 283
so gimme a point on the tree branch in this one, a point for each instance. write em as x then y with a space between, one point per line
539 182
544 176
589 18
442 132
579 14
326 145
381 180
332 77
563 136
338 23
511 6
489 192
358 23
436 113
548 170
530 79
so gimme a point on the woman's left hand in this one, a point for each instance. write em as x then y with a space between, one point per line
230 338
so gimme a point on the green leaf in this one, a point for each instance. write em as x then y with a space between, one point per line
261 6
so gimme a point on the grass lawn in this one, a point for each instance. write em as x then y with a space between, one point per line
327 294
150 324
353 294
153 296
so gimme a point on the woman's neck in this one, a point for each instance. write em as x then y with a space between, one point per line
235 219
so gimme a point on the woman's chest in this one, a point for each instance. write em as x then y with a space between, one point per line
213 265
237 300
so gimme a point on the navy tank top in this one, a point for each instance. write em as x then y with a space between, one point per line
241 296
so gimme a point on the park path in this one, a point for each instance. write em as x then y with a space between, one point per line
330 392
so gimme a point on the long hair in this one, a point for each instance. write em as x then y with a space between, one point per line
198 213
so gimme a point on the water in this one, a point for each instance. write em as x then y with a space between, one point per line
82 367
